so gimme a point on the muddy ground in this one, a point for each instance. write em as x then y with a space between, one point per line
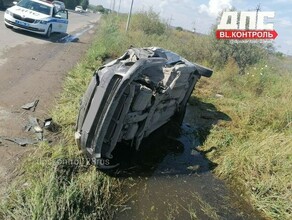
170 178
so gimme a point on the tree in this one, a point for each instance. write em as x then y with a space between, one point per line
244 53
100 9
71 4
84 3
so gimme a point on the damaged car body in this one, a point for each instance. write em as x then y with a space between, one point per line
130 97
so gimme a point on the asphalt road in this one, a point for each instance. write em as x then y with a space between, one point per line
34 68
11 38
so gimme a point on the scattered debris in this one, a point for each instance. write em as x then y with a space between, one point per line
35 124
21 141
219 96
48 123
30 105
36 127
27 128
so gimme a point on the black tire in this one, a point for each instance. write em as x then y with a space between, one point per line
49 32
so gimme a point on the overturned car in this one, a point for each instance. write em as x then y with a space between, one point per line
130 97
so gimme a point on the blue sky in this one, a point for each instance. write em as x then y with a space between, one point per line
201 14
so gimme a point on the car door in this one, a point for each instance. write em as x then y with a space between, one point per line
60 21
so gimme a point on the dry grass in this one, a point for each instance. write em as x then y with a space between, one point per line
254 150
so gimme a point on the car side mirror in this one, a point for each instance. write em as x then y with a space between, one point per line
58 16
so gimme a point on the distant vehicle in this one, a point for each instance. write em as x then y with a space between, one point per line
59 5
79 9
36 16
132 96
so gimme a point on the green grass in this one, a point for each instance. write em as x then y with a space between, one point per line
254 150
61 192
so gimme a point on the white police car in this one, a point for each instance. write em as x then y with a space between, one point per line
37 16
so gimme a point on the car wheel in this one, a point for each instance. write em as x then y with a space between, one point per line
49 32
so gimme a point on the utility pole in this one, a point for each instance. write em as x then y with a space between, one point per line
258 8
129 16
114 5
110 7
170 21
119 7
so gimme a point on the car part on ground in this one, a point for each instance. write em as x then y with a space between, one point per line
132 96
37 16
30 105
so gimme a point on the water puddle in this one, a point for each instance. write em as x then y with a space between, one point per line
169 179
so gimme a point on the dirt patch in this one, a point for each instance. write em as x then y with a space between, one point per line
31 72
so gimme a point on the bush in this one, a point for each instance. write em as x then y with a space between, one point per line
245 54
149 22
